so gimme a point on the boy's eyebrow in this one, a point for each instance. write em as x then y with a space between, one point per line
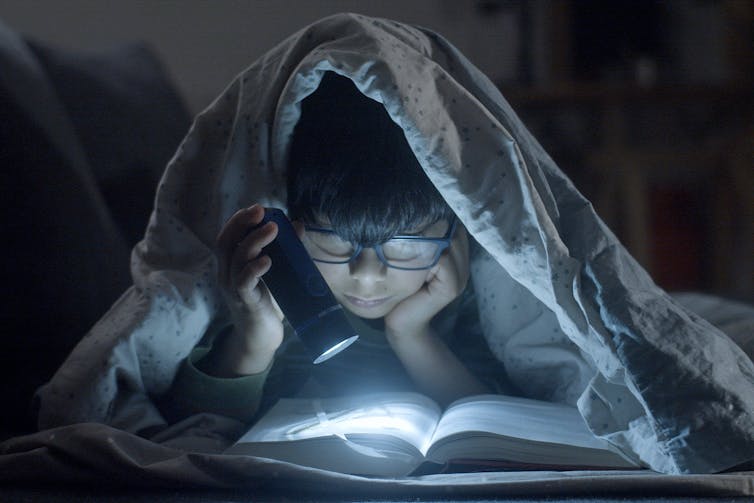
420 230
415 233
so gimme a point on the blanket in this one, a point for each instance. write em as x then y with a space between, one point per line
572 315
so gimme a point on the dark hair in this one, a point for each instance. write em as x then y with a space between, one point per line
350 163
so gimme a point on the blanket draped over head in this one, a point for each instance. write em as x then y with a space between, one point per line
569 312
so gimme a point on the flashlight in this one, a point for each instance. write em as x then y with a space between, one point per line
302 293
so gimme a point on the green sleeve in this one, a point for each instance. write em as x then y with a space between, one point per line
194 391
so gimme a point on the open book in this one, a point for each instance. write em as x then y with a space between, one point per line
393 434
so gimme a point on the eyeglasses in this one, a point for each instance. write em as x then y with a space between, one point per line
409 253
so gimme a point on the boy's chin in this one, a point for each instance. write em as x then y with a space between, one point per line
368 314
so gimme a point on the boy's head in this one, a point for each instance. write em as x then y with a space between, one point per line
351 170
351 166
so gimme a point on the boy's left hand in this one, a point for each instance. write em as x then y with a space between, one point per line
445 282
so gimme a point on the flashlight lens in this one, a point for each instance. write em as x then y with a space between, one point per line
336 349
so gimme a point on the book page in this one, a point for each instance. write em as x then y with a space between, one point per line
522 430
410 417
524 418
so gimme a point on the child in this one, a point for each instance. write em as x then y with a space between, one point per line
353 181
560 303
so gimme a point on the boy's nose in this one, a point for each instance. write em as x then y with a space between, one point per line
368 267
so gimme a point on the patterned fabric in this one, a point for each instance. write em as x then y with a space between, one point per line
572 315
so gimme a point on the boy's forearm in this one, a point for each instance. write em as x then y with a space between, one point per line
231 356
195 391
435 370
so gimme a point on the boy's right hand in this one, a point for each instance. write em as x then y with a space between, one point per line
257 320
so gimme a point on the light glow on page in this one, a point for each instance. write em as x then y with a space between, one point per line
397 419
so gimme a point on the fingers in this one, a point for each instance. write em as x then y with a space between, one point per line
232 233
453 267
239 246
242 262
246 282
247 264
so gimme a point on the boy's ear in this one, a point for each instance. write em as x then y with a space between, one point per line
298 226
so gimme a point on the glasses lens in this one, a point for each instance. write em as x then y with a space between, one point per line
410 253
327 246
398 252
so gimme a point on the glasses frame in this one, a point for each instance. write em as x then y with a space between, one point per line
443 244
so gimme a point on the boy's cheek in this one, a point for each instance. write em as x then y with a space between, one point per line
431 273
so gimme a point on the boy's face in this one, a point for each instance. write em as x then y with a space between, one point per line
368 288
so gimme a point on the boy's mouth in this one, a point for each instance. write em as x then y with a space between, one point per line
366 303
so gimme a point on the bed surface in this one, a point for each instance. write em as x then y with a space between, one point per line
75 494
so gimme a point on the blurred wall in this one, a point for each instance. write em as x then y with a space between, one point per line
206 43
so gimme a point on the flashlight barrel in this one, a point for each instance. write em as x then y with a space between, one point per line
302 293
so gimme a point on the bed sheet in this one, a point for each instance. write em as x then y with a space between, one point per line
99 456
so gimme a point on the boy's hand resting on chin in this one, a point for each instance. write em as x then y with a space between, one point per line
445 282
435 370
